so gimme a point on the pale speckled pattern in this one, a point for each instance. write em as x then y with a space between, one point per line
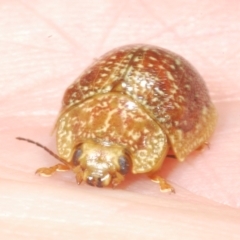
169 89
114 118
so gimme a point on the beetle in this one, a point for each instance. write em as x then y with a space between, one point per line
126 112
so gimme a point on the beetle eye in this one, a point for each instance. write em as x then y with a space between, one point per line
76 156
124 165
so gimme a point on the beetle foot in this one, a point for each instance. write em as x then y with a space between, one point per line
47 172
164 186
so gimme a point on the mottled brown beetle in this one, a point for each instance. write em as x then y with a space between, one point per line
125 113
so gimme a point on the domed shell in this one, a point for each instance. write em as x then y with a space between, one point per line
166 85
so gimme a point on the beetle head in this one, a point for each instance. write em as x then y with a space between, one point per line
99 163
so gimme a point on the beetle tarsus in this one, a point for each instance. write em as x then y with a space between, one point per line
164 185
47 172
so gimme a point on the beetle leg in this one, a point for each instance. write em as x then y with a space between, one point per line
47 172
79 174
171 154
118 178
205 144
79 178
164 186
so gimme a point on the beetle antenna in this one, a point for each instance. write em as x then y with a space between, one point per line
45 148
